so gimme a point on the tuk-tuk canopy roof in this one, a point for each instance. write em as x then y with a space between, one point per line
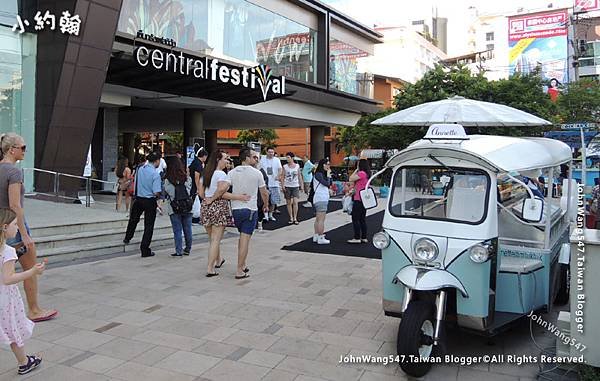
500 153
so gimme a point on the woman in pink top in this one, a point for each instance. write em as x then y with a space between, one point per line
360 177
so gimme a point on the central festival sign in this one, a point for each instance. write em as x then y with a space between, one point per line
211 69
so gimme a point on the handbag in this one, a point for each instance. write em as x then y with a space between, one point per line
116 187
368 198
183 202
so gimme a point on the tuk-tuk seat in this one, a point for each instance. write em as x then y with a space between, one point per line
520 265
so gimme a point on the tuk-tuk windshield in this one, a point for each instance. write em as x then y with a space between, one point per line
454 194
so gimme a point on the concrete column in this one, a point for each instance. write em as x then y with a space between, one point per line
211 140
129 146
193 126
110 141
317 143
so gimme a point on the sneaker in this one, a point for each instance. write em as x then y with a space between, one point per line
323 241
186 252
364 240
307 205
273 218
260 227
315 238
175 255
354 241
32 363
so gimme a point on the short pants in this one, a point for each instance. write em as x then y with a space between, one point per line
18 240
275 198
321 206
291 192
245 220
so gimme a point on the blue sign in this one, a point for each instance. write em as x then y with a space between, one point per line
189 155
572 138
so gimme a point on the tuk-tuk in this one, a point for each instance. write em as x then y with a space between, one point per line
469 238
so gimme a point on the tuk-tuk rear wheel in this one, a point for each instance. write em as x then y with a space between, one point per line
415 337
562 297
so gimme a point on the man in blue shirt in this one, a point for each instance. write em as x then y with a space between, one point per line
147 189
307 175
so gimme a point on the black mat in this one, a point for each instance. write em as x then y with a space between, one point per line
303 215
338 238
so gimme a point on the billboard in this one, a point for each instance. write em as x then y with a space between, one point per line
587 5
539 40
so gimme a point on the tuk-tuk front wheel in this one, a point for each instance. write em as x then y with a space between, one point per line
415 338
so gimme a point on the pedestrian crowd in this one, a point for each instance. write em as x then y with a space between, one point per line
210 191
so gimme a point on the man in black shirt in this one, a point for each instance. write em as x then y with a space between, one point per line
196 168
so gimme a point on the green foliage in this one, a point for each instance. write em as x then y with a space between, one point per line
581 103
174 139
523 92
266 137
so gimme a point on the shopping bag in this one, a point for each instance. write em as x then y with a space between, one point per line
368 198
196 208
347 203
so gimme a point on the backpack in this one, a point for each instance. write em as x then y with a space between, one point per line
183 202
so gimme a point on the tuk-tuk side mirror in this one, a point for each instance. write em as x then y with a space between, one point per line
533 209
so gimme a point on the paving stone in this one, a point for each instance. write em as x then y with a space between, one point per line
136 319
261 358
98 364
107 327
238 353
318 369
329 324
279 375
216 349
168 340
232 370
190 363
374 376
77 359
297 347
132 371
84 340
57 372
251 340
347 341
298 333
154 355
467 374
122 348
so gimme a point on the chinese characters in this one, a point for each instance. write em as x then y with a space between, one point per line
67 24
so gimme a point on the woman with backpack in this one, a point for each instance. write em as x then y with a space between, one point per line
178 186
123 174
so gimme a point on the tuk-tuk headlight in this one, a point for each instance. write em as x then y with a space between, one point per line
425 250
381 240
479 253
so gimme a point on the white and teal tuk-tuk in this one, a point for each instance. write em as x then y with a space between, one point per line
468 239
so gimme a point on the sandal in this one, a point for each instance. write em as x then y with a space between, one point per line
48 316
296 222
220 264
246 270
246 275
32 363
290 222
209 275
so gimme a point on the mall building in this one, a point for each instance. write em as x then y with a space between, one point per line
188 66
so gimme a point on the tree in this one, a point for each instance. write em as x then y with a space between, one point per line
266 137
581 102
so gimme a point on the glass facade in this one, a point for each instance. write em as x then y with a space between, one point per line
591 57
344 68
17 81
233 29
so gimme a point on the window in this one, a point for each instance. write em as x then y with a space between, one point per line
489 36
489 47
236 29
327 131
344 60
455 194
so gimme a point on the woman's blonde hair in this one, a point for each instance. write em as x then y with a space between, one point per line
6 217
8 141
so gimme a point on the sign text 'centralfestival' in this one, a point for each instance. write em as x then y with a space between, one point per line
211 69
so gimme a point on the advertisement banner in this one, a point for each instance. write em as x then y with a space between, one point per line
539 40
587 5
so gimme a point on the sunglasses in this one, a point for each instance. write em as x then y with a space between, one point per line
22 148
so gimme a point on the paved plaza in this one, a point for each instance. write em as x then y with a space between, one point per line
160 318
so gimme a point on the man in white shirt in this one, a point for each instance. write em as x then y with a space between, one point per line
272 165
246 179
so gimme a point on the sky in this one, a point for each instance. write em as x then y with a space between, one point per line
399 12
